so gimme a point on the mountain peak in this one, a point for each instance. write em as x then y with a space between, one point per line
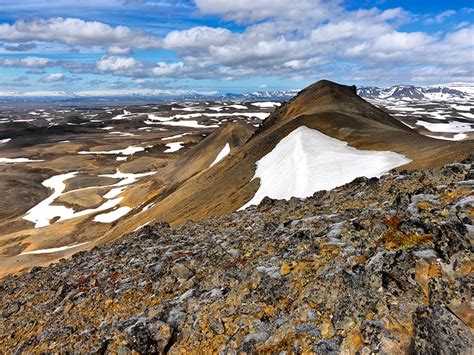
327 96
328 87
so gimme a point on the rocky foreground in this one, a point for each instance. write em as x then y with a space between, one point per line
380 265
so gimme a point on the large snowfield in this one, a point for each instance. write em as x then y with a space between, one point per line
307 161
42 214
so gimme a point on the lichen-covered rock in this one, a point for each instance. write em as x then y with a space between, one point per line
376 266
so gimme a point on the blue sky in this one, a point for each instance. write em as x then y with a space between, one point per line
162 46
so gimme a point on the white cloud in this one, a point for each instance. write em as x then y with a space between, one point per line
195 37
51 78
298 40
256 10
440 17
117 50
463 37
165 69
27 62
116 64
73 31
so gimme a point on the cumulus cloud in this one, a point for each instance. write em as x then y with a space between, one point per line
27 62
116 64
117 50
20 47
440 17
127 66
166 69
463 37
197 37
292 40
252 10
51 78
296 40
74 31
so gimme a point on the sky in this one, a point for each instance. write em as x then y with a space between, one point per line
95 48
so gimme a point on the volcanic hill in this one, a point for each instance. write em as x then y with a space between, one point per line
332 109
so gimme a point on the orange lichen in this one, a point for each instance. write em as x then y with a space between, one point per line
450 196
395 238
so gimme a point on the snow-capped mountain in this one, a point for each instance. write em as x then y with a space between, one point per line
413 93
258 95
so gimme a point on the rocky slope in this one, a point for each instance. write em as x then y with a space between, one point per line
376 266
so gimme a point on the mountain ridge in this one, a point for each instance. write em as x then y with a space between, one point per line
444 92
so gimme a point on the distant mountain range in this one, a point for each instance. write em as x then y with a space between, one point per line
414 93
451 91
263 95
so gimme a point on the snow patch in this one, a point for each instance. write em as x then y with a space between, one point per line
17 160
450 127
267 104
53 250
222 154
190 123
174 147
127 151
175 137
112 216
44 212
307 161
456 137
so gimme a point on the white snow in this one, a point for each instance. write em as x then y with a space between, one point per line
456 137
189 123
112 216
6 140
238 107
127 151
307 161
222 154
462 107
169 120
123 134
127 179
114 192
44 212
466 114
141 226
159 118
174 137
25 120
450 127
53 250
126 114
174 147
267 104
17 160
